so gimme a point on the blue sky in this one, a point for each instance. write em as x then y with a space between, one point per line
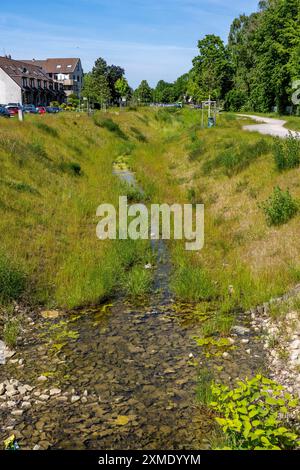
151 39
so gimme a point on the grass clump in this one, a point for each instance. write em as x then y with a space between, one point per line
236 158
12 281
47 129
280 207
192 283
11 332
204 391
253 416
195 150
287 152
110 125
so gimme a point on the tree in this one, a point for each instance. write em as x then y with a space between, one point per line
144 93
114 73
211 72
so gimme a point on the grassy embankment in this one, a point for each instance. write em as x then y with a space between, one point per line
245 261
54 172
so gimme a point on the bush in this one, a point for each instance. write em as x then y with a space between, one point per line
253 415
12 281
287 152
280 207
110 125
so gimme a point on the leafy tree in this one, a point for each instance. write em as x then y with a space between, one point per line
144 93
122 88
211 72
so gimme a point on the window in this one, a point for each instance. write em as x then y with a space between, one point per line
45 84
39 83
58 66
32 82
69 66
24 81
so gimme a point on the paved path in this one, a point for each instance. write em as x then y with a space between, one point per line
268 126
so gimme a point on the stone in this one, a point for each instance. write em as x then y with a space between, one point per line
295 345
225 355
50 314
2 389
26 405
42 378
245 341
55 391
44 397
248 351
17 412
36 447
241 330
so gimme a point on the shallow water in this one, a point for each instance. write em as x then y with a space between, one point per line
127 375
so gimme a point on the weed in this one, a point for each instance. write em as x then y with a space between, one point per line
204 392
192 283
138 282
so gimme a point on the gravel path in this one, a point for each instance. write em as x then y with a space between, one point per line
268 126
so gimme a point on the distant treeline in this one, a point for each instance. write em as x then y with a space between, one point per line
257 70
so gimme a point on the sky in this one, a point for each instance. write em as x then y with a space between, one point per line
151 39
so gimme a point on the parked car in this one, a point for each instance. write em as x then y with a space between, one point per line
3 112
41 109
13 110
15 105
30 109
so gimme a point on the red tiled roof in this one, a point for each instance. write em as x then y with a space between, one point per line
18 69
59 65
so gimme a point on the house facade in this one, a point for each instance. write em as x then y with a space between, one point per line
26 83
68 72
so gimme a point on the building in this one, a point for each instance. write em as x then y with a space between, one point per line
68 72
25 83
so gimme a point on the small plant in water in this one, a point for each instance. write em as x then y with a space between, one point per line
11 332
254 414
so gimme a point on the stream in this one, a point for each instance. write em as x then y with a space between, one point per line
119 376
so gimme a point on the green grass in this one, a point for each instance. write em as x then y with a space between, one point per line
138 282
12 281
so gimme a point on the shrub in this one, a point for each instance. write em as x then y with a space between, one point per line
253 415
192 284
110 125
280 207
287 152
12 281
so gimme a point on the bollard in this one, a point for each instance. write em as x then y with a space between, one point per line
20 115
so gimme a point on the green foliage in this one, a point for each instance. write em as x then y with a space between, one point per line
287 152
143 93
253 415
12 281
122 88
192 284
280 207
11 332
110 125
